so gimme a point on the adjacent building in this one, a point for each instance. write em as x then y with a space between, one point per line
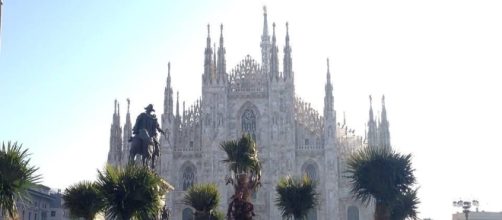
256 97
478 216
43 204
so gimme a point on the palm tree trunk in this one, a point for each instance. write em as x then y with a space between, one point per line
242 208
382 211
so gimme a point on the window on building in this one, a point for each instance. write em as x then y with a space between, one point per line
352 213
191 144
306 141
187 214
188 177
248 120
53 213
311 172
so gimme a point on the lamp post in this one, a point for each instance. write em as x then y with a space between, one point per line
466 206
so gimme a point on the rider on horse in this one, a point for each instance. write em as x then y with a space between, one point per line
146 127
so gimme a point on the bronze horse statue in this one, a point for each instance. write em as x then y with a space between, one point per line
144 145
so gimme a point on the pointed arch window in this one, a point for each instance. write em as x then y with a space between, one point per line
188 177
248 120
311 172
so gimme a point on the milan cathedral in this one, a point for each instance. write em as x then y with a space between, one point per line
256 98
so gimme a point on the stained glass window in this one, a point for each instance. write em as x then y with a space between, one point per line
311 172
188 177
249 123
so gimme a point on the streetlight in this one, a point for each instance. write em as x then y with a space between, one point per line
466 206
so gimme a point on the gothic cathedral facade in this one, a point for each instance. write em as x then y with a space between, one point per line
255 98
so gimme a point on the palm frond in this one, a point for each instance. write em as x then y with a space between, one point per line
202 197
134 191
83 200
296 196
405 206
242 156
16 176
379 173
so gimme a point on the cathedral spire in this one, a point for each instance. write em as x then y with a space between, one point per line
328 95
221 68
168 94
128 105
371 109
383 127
274 58
116 113
115 152
126 145
265 43
169 73
115 108
372 128
184 111
177 104
288 64
208 63
265 22
213 67
384 111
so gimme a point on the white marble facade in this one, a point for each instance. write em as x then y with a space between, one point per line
255 97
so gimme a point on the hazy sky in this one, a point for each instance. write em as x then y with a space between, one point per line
62 63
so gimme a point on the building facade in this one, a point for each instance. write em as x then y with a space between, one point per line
42 204
478 216
256 98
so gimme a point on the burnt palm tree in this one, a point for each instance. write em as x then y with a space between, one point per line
204 198
245 168
381 175
296 197
16 177
84 200
132 192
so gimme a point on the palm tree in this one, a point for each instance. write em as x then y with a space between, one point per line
245 168
132 192
405 206
296 196
204 198
16 177
380 174
84 200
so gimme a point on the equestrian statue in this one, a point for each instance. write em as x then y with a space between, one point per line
144 142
